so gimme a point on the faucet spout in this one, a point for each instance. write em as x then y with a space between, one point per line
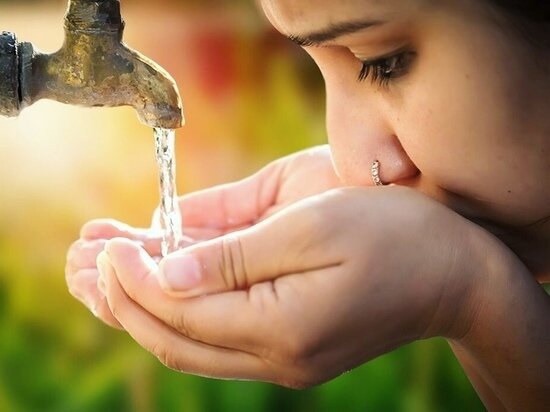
94 68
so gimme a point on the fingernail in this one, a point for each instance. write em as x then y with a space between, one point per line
181 272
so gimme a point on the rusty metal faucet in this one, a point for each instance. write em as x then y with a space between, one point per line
94 68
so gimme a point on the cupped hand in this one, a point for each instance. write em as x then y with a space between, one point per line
235 206
313 291
81 271
206 215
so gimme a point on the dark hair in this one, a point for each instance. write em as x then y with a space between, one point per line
537 11
530 17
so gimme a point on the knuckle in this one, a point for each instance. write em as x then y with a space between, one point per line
160 352
166 355
232 265
83 254
264 299
101 310
132 293
74 249
74 285
180 323
115 309
103 313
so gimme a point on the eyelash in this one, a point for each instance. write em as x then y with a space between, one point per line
384 69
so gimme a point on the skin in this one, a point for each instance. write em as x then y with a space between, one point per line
461 56
453 247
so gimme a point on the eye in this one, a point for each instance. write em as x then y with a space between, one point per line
384 69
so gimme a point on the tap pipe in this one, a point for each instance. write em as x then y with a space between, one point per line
9 75
93 68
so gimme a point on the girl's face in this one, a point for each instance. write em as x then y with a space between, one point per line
445 94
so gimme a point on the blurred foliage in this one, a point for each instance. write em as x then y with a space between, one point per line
250 97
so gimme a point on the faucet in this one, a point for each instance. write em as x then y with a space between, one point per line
93 68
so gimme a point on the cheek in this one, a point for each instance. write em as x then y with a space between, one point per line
453 133
461 119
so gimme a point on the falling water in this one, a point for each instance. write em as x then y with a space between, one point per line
170 216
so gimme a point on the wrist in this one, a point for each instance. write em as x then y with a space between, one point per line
495 273
483 263
504 329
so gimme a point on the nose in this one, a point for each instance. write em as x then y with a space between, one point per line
360 132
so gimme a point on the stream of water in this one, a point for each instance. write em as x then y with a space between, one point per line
170 215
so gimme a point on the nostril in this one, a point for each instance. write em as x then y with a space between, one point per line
395 168
355 166
395 163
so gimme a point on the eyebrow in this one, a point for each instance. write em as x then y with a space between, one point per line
334 31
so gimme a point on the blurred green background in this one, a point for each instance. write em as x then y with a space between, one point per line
250 97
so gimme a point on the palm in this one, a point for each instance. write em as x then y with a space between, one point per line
228 208
305 174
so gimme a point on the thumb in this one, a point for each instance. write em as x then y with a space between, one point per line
293 241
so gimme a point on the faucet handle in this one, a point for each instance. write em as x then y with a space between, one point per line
101 16
9 75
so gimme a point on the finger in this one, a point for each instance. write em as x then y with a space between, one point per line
83 286
150 239
231 205
82 254
172 349
81 276
103 312
290 242
109 229
230 320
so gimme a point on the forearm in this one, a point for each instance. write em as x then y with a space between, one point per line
508 344
483 390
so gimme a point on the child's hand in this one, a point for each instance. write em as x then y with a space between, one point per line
315 290
206 215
